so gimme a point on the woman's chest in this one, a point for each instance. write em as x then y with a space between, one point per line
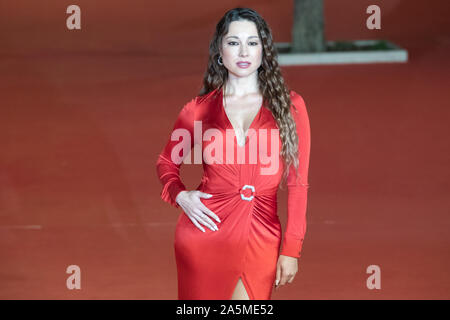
241 115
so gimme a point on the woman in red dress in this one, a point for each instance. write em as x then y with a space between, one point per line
252 135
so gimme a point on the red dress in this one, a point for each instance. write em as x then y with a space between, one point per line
248 241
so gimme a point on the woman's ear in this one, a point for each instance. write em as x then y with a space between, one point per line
220 47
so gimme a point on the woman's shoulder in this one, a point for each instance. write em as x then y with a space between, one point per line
207 96
200 99
297 100
298 106
198 106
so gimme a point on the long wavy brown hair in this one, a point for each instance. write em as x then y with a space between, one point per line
275 92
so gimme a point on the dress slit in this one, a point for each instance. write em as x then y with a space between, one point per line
246 286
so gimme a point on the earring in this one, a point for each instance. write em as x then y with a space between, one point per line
219 61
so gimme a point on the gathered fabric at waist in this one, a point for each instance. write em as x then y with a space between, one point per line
256 200
245 190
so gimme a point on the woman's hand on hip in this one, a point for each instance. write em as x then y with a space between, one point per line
190 202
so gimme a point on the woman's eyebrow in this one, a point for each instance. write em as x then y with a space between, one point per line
238 38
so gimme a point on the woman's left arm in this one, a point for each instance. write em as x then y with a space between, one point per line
297 197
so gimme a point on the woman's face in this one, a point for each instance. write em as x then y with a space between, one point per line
241 43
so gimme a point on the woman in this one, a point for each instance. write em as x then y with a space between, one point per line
237 255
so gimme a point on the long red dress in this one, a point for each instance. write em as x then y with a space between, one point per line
248 241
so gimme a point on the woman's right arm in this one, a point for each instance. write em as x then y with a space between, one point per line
176 149
168 165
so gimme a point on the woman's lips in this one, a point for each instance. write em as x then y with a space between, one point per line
243 65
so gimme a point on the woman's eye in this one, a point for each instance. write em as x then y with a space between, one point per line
252 43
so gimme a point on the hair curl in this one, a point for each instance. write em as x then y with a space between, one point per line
273 88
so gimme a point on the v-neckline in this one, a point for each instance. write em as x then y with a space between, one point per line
222 98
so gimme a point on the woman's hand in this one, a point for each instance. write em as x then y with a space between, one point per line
190 202
287 268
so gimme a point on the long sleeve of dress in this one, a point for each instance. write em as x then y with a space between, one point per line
176 149
298 188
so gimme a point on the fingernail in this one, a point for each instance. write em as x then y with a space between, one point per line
209 195
276 282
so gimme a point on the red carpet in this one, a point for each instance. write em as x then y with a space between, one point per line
84 114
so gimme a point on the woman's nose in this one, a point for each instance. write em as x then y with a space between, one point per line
243 51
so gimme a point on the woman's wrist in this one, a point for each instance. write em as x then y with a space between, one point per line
179 196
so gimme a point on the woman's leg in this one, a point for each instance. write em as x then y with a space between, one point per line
239 292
